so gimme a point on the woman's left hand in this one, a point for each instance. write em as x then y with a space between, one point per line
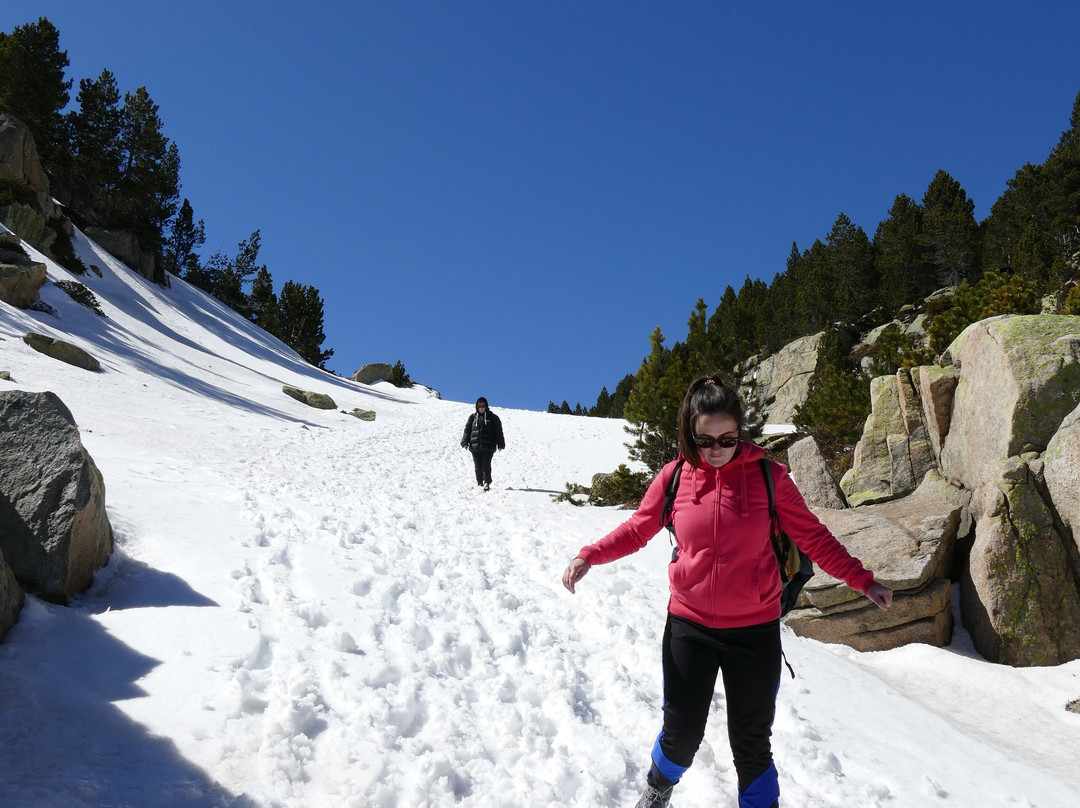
881 595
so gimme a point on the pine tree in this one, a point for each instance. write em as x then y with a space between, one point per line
906 274
301 322
92 179
398 375
722 329
228 277
150 171
653 405
185 237
950 232
622 395
33 86
849 270
264 303
602 408
838 400
697 339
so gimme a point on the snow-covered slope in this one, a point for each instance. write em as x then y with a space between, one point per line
305 609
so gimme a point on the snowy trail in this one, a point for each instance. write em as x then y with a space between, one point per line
400 610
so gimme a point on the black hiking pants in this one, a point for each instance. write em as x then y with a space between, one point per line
482 462
748 658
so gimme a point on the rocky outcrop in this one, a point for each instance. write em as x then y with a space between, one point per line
376 371
20 277
26 206
363 415
63 351
125 246
1019 378
812 476
54 532
11 597
910 544
895 452
780 382
1019 599
319 401
1003 423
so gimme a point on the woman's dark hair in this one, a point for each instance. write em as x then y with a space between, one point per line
707 395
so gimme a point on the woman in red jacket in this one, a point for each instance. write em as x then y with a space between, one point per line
724 610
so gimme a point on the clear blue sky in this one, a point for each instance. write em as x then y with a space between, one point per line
510 196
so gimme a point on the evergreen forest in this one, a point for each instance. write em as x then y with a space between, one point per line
928 256
110 164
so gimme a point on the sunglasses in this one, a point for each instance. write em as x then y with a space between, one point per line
723 443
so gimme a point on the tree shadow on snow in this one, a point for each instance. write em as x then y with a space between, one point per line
65 743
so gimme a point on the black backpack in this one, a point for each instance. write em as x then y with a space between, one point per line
795 566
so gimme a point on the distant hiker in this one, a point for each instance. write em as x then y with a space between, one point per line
724 609
483 436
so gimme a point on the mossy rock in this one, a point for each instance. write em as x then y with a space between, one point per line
319 401
64 351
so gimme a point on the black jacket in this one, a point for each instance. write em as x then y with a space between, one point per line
483 433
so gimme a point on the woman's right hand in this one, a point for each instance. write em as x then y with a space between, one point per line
574 573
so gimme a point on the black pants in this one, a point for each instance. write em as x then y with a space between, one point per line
749 661
482 462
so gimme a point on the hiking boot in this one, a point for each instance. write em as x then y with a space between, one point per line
653 797
487 486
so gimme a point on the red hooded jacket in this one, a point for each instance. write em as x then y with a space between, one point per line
726 573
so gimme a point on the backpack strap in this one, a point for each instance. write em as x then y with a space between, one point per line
666 516
774 521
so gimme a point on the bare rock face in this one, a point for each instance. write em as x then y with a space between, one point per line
1019 596
783 379
19 161
1019 378
30 210
125 246
936 387
895 452
910 545
21 278
1061 469
812 476
54 532
11 597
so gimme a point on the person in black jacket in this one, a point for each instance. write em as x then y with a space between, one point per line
483 436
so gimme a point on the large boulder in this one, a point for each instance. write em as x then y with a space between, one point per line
894 453
910 545
1019 597
780 382
1019 378
54 531
20 277
1061 469
812 476
11 597
320 401
63 351
374 372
